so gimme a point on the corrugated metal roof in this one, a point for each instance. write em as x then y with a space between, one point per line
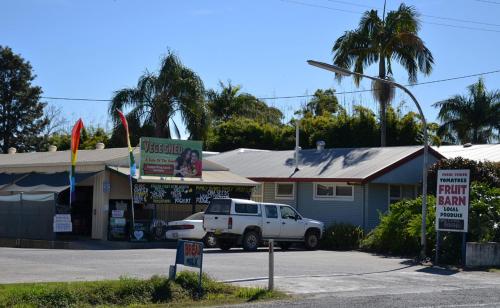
340 164
223 177
478 152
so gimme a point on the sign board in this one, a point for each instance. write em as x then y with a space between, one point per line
62 223
186 194
117 213
170 158
189 253
452 200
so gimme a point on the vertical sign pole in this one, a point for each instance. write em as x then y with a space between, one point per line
436 258
271 265
464 244
200 290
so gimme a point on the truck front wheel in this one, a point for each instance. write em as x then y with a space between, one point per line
251 241
312 240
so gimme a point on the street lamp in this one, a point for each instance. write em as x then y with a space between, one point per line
345 72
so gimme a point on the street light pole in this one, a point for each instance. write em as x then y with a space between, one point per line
345 72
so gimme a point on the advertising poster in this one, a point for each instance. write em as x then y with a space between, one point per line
452 200
170 158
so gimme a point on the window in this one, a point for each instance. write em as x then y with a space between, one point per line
399 192
285 190
331 191
271 211
258 193
287 212
246 208
219 206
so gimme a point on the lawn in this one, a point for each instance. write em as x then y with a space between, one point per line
157 291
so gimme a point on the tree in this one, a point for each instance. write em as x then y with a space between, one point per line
157 98
55 125
21 112
229 102
89 137
474 118
323 101
383 40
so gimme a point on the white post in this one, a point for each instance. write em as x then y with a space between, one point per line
271 265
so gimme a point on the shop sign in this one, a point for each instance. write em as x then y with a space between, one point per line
139 232
146 193
62 223
170 158
452 200
117 213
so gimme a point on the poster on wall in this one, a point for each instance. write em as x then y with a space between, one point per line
452 200
145 193
170 158
118 210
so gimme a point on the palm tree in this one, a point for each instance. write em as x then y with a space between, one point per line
470 119
157 98
393 38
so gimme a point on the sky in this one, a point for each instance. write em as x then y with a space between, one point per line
89 49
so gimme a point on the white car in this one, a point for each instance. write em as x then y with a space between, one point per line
235 221
190 228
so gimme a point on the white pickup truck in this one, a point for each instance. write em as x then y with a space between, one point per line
235 221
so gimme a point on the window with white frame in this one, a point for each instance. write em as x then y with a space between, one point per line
285 191
258 193
332 191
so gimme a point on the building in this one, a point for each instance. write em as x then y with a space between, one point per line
34 187
351 185
478 152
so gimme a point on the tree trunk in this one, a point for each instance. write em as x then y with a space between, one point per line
383 105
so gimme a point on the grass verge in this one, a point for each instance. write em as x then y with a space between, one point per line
156 291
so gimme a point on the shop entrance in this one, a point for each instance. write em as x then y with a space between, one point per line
81 210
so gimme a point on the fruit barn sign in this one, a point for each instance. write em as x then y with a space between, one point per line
452 200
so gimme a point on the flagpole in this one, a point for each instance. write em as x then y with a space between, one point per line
131 190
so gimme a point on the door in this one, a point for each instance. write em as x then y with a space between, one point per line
271 223
292 225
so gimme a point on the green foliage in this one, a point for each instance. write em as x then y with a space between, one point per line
157 98
21 112
342 237
399 230
125 292
486 172
88 139
474 118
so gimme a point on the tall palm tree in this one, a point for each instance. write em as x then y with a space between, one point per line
470 119
383 40
157 98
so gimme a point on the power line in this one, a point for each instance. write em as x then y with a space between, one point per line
359 13
296 96
424 15
488 1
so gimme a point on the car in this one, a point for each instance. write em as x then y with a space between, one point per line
249 223
190 228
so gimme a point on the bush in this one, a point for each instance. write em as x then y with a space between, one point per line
399 230
485 172
342 237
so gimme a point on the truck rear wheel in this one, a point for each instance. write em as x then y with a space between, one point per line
311 240
224 244
251 241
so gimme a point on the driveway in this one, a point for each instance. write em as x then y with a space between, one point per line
296 271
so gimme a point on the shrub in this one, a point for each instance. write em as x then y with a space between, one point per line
399 230
342 237
485 172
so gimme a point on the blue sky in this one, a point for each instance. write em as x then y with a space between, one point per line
92 48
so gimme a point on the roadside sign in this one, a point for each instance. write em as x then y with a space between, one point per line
452 200
189 253
62 223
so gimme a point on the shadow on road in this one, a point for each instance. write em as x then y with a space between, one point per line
438 271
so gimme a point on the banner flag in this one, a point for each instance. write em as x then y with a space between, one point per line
133 167
75 142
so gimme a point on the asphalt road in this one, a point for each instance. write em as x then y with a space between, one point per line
333 278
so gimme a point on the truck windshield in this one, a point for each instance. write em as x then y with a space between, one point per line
219 206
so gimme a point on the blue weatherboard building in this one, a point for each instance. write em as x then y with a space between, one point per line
340 185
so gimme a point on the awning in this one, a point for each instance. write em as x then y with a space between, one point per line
45 182
7 179
223 178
